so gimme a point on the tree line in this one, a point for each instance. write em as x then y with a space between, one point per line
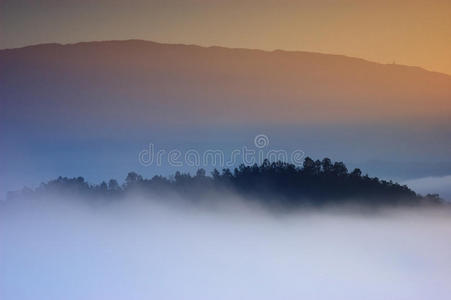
316 183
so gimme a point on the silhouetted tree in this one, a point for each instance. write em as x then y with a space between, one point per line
273 183
113 185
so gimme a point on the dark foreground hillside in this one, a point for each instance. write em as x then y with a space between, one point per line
316 183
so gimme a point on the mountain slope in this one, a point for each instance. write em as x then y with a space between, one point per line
138 83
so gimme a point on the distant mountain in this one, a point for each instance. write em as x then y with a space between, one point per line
139 83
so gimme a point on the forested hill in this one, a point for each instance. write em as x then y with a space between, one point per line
316 183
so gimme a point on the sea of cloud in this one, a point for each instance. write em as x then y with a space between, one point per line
167 249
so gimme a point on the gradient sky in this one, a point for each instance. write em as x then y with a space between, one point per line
406 32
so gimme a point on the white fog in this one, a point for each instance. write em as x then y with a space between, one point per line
141 249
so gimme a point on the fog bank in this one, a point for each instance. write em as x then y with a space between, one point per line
141 249
426 185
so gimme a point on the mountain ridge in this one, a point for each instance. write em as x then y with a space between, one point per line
231 84
34 46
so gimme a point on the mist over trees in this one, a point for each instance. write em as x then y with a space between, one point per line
316 183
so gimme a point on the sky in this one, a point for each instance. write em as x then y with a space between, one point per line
415 32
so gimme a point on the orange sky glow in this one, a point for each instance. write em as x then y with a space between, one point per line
406 32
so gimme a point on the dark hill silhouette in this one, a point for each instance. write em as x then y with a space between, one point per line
138 83
317 183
